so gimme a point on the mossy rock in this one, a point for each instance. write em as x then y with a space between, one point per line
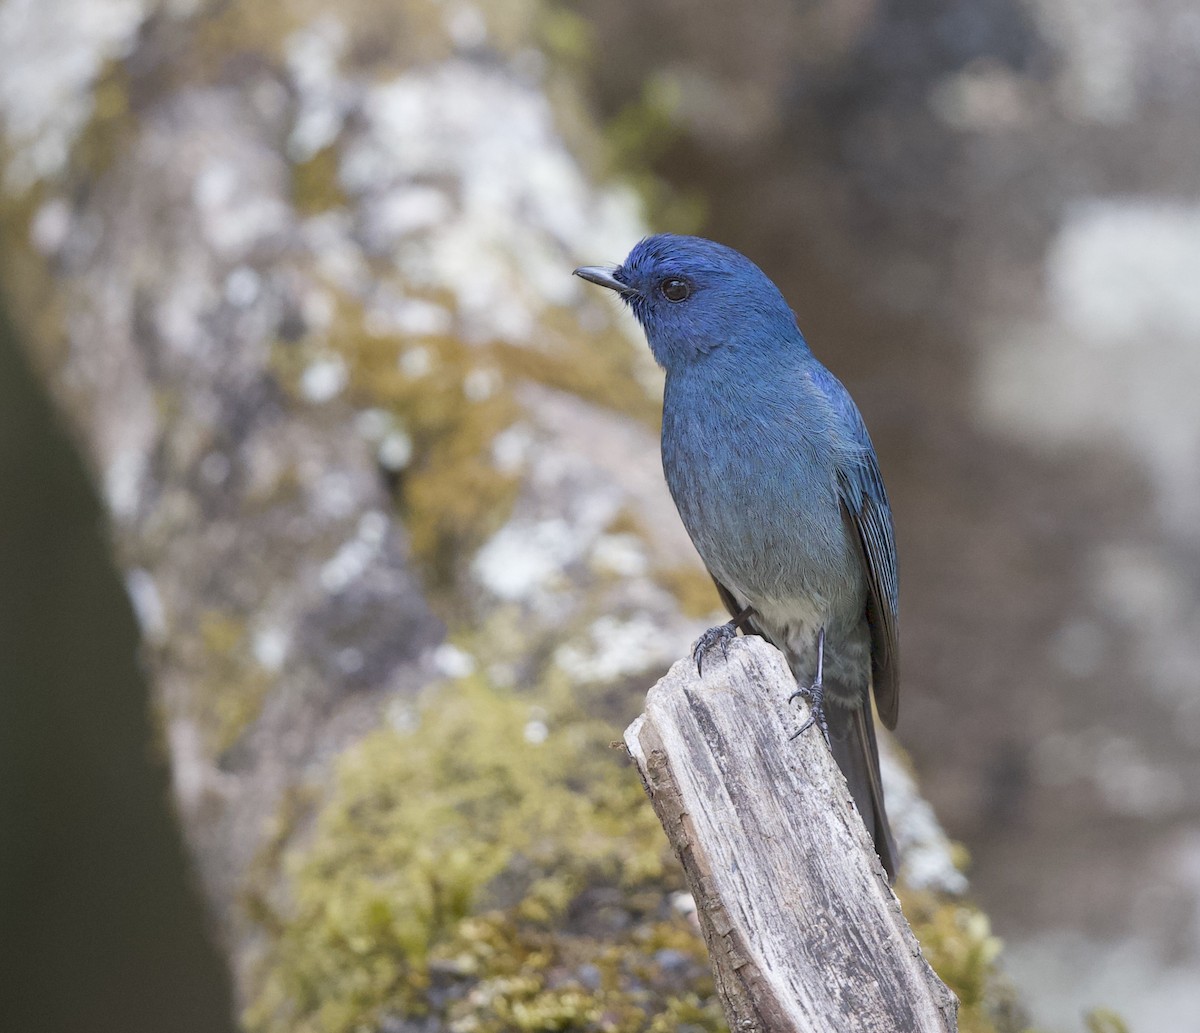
487 859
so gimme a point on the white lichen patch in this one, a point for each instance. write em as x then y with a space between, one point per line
511 211
333 495
536 732
408 211
338 256
395 451
480 384
415 363
313 56
402 716
616 648
195 780
354 558
123 479
50 226
243 286
319 308
373 527
236 210
539 558
451 661
324 379
270 648
147 604
52 55
389 313
511 447
466 26
524 558
581 585
621 554
374 423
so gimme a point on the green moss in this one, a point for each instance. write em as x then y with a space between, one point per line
460 868
532 981
957 940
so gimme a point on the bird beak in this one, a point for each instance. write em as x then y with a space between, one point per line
605 278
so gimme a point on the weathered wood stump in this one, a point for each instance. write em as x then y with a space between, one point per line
802 927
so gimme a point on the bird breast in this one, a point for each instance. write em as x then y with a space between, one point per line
752 475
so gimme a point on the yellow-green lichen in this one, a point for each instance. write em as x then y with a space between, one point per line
644 129
600 368
112 125
315 184
451 494
692 588
638 137
32 298
230 31
463 845
564 34
1104 1020
233 687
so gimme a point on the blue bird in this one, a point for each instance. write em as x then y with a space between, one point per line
774 475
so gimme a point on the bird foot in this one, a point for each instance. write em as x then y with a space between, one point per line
719 636
815 695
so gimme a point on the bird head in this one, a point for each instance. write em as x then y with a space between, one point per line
694 297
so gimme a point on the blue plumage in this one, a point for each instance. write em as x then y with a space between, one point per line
774 475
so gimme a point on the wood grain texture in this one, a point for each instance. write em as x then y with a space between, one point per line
803 930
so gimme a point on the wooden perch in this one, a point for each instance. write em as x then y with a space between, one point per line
803 930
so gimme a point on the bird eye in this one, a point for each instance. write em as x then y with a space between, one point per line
675 289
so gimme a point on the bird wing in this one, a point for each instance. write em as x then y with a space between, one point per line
865 507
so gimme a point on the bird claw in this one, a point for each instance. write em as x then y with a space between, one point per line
815 695
718 636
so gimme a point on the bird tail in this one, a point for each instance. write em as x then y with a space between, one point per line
852 741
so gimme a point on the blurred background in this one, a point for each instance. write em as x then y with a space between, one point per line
986 216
